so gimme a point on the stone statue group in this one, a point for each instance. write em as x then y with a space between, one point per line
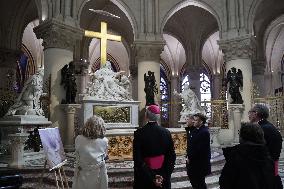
105 84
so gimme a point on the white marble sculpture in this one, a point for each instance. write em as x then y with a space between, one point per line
28 102
105 85
191 103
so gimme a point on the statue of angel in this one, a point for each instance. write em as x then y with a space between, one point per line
235 81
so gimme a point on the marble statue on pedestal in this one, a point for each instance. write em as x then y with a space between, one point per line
28 102
191 103
105 84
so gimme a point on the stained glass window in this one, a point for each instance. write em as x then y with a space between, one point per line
205 93
164 92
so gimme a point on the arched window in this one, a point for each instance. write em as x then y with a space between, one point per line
205 93
26 68
164 92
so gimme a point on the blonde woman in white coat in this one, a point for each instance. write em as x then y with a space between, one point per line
91 152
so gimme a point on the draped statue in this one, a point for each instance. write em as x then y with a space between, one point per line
105 84
28 102
191 103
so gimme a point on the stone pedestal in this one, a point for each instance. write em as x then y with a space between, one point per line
214 131
69 129
90 104
17 148
14 132
236 111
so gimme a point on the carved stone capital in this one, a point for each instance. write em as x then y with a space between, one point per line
9 58
238 108
56 34
237 48
70 108
148 51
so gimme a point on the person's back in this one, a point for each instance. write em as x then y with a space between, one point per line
273 139
153 154
248 165
91 152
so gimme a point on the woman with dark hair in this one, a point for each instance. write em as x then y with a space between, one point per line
248 165
91 152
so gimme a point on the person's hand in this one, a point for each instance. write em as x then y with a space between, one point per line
158 181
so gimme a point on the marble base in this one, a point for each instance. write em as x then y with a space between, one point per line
88 111
24 120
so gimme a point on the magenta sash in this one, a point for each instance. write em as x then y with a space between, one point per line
155 162
275 168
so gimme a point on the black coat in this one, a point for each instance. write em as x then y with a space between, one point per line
273 139
149 141
198 152
248 166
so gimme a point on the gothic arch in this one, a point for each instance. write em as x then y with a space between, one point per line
122 6
186 3
251 15
273 47
166 69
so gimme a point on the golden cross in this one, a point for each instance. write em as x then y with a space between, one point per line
104 36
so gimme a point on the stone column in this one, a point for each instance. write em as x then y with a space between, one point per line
69 130
148 59
17 147
133 68
258 69
216 86
194 72
58 41
237 53
236 112
175 102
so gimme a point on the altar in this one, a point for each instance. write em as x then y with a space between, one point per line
116 114
121 143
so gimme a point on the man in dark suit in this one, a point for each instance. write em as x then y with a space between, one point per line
259 114
153 153
199 153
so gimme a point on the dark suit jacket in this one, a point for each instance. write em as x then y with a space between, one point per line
150 141
273 139
248 166
199 153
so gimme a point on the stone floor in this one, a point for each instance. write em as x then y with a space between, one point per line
121 173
